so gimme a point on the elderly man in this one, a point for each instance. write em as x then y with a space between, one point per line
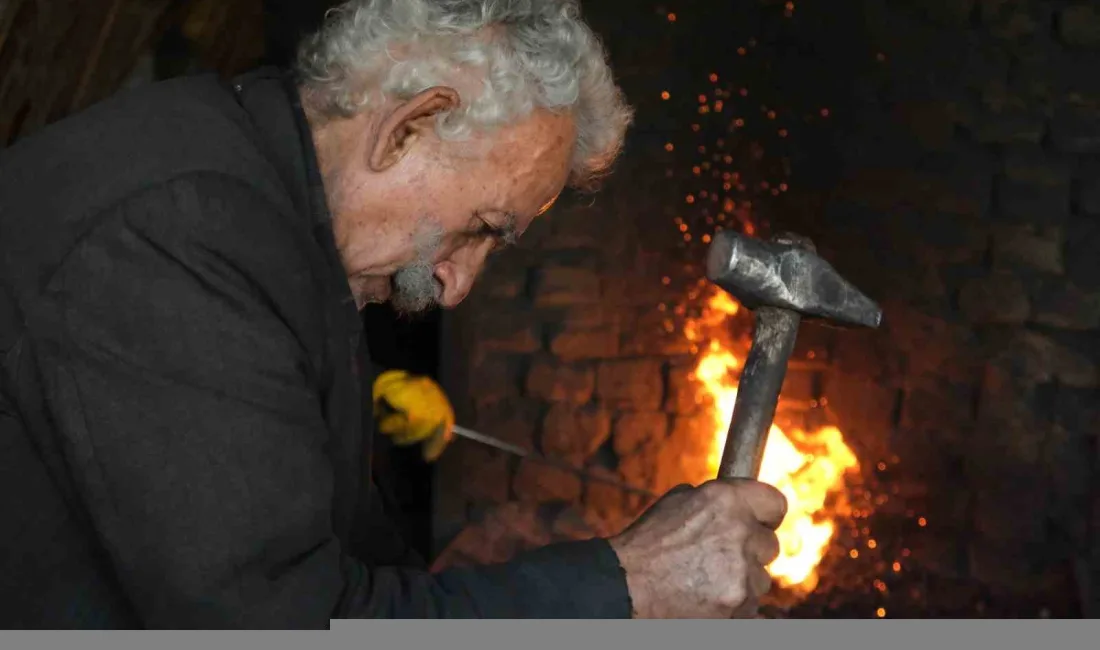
183 441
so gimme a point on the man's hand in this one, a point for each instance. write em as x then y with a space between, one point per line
702 552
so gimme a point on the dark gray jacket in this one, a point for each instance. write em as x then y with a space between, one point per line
183 441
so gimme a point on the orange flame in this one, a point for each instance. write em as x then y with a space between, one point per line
808 468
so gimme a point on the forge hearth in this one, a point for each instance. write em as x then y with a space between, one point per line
946 161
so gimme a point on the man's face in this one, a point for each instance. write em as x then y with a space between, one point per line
415 217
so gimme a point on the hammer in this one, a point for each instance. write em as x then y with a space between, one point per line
782 281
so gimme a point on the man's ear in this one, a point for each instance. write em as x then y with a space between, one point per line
407 123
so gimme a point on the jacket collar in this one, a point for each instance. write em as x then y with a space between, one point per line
273 102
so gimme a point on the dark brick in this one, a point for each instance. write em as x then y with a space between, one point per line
504 278
932 124
569 526
986 61
1079 26
645 467
604 504
577 344
868 353
449 509
933 346
1077 410
1082 262
506 332
574 433
1006 435
630 384
567 286
692 442
945 239
1064 305
903 36
988 559
814 344
1067 463
475 545
1030 165
953 13
602 221
1049 72
939 409
634 430
681 457
1076 129
886 189
1089 198
512 420
963 176
685 393
1016 126
1032 204
556 382
540 483
1010 513
643 288
1007 19
999 298
1040 249
505 287
560 239
863 409
941 555
799 386
867 149
571 259
592 316
479 472
528 522
496 377
1033 358
649 336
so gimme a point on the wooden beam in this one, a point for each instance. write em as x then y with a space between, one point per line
7 19
93 56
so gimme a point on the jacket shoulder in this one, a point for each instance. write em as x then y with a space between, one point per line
136 138
58 184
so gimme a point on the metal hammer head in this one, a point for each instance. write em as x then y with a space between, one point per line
787 275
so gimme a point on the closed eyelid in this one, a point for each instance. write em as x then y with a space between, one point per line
504 233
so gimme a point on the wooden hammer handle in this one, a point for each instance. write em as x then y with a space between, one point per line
758 392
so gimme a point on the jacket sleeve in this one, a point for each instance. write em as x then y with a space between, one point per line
179 387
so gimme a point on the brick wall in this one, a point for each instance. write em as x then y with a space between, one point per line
957 184
968 188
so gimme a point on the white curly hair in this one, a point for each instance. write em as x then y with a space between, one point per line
525 54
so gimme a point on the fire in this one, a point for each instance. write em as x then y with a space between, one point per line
808 468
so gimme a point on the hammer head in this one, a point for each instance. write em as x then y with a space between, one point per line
787 275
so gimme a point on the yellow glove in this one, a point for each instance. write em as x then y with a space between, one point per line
413 409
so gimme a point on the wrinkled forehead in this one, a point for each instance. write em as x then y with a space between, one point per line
536 156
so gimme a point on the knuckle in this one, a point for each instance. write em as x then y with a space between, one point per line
737 593
715 490
780 502
773 549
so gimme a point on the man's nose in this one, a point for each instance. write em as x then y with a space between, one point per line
458 277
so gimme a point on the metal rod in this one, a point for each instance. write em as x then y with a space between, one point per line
516 450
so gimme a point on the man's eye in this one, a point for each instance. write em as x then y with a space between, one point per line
497 236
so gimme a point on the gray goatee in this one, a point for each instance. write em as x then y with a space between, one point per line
415 288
